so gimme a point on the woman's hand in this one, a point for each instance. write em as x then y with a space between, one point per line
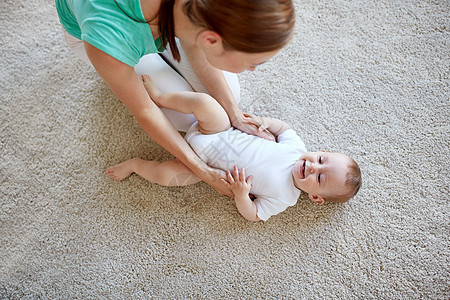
214 178
252 125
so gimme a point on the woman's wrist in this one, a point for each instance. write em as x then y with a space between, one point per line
236 116
203 171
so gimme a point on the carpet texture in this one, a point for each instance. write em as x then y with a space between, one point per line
368 78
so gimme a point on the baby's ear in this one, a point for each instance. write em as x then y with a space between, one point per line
316 199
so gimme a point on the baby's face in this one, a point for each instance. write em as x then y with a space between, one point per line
321 173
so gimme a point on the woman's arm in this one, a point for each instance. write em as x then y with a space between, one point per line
218 88
128 87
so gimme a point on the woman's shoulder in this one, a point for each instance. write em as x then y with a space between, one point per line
118 28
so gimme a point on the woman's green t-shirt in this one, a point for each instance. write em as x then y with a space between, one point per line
108 27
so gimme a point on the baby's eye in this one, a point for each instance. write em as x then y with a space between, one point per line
318 177
320 159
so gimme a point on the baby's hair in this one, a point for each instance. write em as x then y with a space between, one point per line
352 183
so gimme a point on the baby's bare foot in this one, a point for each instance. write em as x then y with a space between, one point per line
121 171
152 90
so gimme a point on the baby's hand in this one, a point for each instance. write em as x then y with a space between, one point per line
238 183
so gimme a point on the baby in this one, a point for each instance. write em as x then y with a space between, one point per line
278 171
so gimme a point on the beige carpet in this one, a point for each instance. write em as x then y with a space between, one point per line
369 78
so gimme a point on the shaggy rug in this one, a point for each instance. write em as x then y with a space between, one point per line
368 78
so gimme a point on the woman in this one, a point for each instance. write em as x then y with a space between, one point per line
214 35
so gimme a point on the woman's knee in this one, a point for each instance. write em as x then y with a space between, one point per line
76 46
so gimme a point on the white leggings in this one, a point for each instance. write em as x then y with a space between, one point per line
165 78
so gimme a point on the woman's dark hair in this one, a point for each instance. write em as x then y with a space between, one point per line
166 27
251 26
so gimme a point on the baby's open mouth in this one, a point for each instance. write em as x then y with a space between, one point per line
302 169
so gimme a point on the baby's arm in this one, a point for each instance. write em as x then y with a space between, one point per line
241 189
275 126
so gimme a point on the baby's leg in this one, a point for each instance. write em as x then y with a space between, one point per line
168 173
211 116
